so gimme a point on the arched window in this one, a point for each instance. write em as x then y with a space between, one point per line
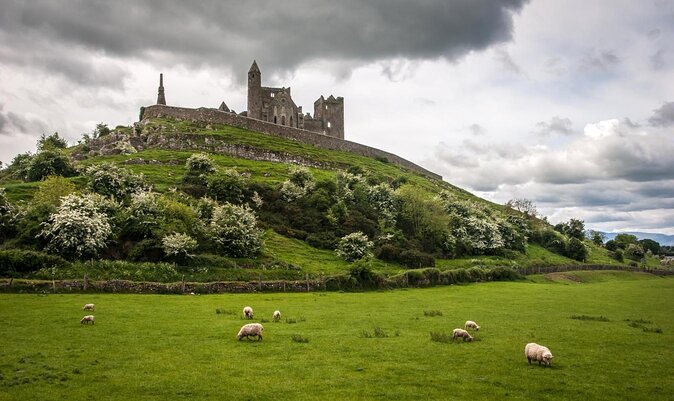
291 121
283 120
275 120
328 124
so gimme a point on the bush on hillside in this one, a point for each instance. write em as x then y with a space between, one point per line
354 246
234 229
13 261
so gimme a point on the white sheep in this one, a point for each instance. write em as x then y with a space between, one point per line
471 325
89 307
277 316
251 329
538 353
461 333
87 319
248 312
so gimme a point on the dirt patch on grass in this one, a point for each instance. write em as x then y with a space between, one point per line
564 277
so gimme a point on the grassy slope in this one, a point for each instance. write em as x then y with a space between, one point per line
177 347
165 169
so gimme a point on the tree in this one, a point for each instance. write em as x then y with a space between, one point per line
623 240
634 252
234 229
299 183
51 142
227 186
575 249
354 246
650 245
597 237
199 163
78 228
49 162
52 189
523 205
573 228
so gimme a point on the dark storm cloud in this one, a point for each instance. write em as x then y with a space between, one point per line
13 123
663 116
280 34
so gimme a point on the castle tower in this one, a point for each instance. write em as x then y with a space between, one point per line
160 95
330 112
254 92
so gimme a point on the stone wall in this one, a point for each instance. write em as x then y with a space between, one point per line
213 116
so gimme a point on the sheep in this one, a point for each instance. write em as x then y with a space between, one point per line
538 353
277 316
250 329
461 333
89 307
248 312
87 319
471 325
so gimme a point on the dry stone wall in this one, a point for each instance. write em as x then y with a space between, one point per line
213 116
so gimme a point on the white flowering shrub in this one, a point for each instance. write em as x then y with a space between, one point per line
200 163
144 214
382 198
299 183
109 180
354 246
9 216
346 183
477 236
78 228
234 229
178 245
257 200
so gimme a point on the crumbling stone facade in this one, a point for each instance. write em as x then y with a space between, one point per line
276 105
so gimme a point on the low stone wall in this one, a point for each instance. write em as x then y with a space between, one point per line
213 116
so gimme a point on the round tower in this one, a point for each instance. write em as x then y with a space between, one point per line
254 92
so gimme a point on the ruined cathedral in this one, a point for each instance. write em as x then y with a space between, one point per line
276 105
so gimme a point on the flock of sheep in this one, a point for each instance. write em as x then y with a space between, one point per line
533 351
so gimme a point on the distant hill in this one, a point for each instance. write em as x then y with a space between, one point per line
662 239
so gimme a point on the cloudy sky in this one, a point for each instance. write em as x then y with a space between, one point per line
567 103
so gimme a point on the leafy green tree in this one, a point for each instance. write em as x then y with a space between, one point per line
233 229
573 228
51 142
623 240
78 228
650 245
354 246
52 189
575 249
597 237
47 163
227 186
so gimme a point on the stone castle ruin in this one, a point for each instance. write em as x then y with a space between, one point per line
272 111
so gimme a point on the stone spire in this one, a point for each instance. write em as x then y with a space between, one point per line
160 95
254 67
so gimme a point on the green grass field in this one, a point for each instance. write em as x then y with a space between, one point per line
146 347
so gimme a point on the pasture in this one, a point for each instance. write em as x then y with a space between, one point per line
373 345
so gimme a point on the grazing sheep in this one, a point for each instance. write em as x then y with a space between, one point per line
87 319
461 333
89 307
248 312
277 316
538 353
471 325
251 329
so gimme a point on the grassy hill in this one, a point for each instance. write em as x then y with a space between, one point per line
424 227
